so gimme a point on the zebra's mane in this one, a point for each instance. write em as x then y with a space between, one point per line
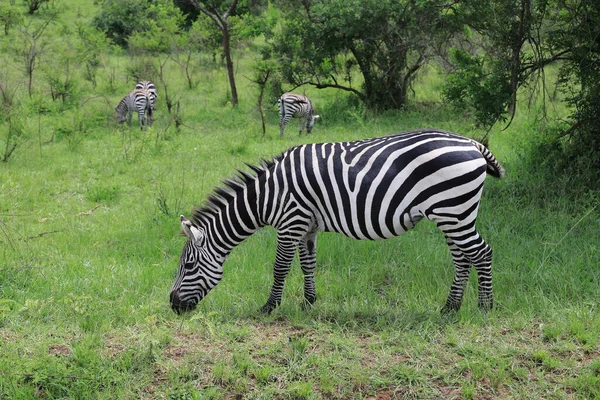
222 195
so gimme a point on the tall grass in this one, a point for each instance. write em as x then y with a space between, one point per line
89 245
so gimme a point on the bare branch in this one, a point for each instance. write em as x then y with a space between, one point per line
230 9
212 15
41 234
319 85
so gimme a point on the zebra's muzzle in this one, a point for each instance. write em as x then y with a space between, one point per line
180 306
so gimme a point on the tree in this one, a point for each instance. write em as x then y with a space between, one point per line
215 12
92 44
10 16
10 118
31 47
34 5
325 42
120 19
518 40
155 45
186 51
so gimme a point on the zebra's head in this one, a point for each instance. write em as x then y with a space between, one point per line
311 122
121 110
199 269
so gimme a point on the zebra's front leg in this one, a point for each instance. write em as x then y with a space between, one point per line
308 259
286 249
303 122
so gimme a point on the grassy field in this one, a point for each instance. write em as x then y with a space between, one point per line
89 246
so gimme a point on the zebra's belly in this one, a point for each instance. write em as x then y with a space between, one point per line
364 227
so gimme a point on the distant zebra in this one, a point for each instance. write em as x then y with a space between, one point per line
367 189
297 106
137 100
152 95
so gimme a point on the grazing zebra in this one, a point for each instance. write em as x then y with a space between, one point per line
137 100
367 189
297 106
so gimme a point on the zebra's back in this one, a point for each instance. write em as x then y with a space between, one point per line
150 87
295 105
381 187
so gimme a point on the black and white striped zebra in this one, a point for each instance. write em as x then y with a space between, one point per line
136 100
296 106
368 189
152 95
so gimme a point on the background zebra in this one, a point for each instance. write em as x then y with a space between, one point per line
137 100
368 189
297 106
152 95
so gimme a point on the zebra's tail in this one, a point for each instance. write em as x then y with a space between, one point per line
493 166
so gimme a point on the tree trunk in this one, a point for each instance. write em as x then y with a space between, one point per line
229 61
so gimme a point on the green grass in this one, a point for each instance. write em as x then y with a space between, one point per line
89 245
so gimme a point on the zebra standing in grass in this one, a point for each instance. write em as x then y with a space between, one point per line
152 95
368 189
297 106
137 100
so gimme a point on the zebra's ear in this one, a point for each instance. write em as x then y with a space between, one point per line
190 230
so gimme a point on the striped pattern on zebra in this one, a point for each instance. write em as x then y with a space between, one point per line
150 87
152 95
296 106
367 189
136 100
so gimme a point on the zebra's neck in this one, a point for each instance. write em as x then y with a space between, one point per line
232 213
122 107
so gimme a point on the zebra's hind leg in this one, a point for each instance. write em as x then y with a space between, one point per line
483 264
471 249
281 128
308 258
286 249
461 275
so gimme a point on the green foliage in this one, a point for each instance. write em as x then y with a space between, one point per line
120 19
92 45
479 86
328 43
161 32
508 56
568 158
10 16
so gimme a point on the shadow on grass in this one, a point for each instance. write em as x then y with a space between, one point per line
368 320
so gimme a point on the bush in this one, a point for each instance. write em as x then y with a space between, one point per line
120 19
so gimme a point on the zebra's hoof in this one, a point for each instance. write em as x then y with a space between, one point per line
486 306
267 309
450 309
307 304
